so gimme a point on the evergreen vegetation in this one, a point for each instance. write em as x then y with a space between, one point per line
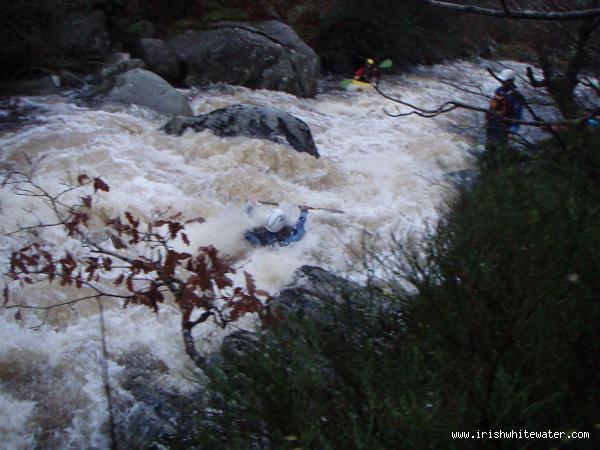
501 330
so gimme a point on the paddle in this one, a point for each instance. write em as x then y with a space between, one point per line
336 211
345 83
386 64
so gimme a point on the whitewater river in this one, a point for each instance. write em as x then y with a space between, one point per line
387 174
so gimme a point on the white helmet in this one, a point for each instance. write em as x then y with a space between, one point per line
275 221
506 75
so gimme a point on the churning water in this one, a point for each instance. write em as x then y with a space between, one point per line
386 173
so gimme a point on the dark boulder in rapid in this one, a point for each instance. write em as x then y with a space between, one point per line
159 58
253 121
259 55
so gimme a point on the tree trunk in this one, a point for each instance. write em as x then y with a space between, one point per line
562 91
190 346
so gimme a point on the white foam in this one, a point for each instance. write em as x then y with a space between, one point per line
382 171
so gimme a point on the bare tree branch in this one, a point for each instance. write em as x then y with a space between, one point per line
507 13
451 105
196 282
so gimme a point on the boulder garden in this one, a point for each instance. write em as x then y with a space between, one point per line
263 55
253 121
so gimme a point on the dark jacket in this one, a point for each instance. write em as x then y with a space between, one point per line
261 236
507 103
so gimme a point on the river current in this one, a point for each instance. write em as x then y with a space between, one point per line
388 175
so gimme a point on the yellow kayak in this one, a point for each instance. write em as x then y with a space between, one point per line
356 85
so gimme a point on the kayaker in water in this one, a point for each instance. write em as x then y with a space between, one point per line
276 229
369 73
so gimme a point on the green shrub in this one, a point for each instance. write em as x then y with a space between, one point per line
500 333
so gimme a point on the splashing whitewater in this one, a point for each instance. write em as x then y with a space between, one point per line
387 174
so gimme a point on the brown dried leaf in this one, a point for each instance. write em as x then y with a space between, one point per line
117 242
250 285
173 259
134 223
119 279
100 185
87 201
83 178
196 220
130 283
5 293
174 228
247 304
185 239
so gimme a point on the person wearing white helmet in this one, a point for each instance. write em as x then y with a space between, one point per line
369 73
277 231
507 103
507 75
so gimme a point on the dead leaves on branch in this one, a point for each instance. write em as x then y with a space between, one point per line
196 282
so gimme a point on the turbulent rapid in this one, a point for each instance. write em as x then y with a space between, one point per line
388 175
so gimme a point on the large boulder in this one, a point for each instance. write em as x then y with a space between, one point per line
159 58
118 63
311 289
144 88
265 55
314 294
253 121
82 33
150 406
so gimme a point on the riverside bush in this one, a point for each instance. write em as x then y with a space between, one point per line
501 331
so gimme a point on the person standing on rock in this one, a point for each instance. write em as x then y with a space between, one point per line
276 229
507 103
369 73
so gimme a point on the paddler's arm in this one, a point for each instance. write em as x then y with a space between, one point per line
298 232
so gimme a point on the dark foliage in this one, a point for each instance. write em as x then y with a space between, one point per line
501 332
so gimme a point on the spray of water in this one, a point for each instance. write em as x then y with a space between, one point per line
385 173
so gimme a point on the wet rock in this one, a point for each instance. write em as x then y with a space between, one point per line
234 345
159 58
45 85
253 121
463 179
144 88
16 113
70 80
319 295
264 55
312 294
310 288
121 63
118 57
153 409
